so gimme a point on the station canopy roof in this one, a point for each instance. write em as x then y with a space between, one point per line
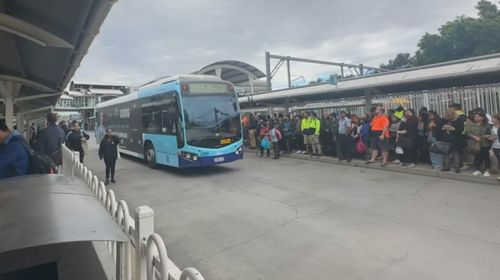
42 44
465 72
236 72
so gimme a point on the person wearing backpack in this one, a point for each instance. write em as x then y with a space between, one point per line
108 150
275 136
51 139
76 139
14 158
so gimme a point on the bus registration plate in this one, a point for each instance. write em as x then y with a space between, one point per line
225 141
219 159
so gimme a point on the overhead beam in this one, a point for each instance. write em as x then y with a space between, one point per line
26 82
281 57
37 96
46 108
31 32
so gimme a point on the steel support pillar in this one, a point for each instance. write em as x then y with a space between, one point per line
250 80
9 109
218 72
268 71
20 123
368 100
288 73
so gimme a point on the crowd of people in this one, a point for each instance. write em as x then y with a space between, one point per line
16 152
456 141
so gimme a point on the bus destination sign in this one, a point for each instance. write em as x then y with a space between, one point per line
209 88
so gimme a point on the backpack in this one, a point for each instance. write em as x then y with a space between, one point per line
38 163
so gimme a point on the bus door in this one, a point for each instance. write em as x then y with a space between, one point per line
169 130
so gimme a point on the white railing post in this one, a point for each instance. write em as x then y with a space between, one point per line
76 159
144 227
67 161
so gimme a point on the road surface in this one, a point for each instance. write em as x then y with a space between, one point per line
293 219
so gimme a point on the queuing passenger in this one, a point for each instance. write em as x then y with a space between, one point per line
393 136
407 138
14 158
453 131
288 132
315 124
275 136
77 139
423 123
354 137
495 119
51 139
380 136
480 132
307 131
252 131
264 139
108 150
365 132
326 133
433 134
343 135
299 137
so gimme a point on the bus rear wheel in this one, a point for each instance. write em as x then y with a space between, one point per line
150 156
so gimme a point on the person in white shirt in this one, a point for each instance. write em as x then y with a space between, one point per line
495 119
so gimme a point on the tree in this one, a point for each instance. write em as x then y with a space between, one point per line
402 60
461 38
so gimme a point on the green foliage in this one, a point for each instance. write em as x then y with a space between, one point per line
461 38
402 60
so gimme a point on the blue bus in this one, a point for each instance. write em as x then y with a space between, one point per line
181 121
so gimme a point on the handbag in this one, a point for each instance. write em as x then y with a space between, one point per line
85 145
360 147
439 147
405 142
476 147
265 143
399 150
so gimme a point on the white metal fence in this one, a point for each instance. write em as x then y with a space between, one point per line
145 256
485 96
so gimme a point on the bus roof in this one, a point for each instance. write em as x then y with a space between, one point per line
157 84
183 77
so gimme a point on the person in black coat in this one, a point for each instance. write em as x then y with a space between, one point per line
76 138
108 150
50 140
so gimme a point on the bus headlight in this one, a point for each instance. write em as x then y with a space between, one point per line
189 156
239 151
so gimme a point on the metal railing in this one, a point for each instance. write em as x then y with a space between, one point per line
145 256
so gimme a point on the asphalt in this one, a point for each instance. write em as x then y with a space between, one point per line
260 218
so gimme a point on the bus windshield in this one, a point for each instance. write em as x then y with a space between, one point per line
210 119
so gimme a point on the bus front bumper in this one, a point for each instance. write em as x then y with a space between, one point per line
209 160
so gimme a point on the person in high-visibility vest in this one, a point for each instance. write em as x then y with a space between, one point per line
315 123
310 127
304 127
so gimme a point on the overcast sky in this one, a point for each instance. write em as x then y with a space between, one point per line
142 40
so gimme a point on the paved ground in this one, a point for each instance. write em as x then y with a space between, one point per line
296 219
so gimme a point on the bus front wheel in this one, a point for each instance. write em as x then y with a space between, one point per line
150 156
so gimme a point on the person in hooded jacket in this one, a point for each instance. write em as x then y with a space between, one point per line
14 158
108 150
